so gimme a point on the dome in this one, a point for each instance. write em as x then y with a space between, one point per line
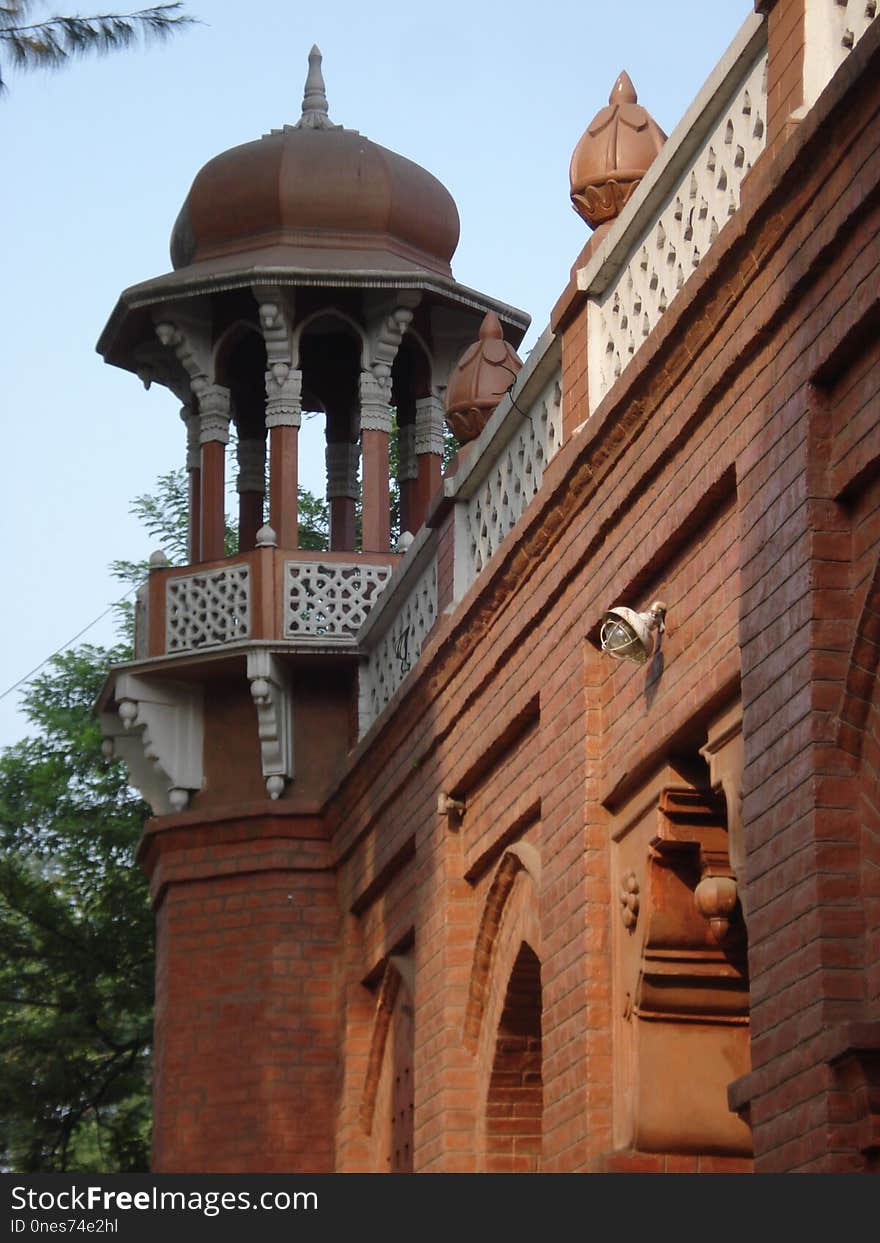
326 196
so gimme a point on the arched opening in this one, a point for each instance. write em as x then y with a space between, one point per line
514 1105
330 361
241 367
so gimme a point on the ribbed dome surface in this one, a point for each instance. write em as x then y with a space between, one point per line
316 189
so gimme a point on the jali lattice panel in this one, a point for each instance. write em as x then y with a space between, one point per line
329 601
205 610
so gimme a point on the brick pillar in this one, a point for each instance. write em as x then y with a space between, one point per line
245 1061
213 439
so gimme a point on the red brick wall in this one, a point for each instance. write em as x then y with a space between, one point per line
246 1040
732 472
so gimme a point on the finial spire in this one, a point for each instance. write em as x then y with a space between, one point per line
314 107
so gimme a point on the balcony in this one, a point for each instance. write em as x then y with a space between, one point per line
305 599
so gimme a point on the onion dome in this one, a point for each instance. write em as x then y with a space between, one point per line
479 380
316 195
614 153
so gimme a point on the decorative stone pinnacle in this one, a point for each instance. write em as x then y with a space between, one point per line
623 91
613 154
483 374
315 109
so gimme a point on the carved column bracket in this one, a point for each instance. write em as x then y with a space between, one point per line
158 730
430 425
271 697
693 822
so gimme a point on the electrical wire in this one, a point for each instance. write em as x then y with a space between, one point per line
64 646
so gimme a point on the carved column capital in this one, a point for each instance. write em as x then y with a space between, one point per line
375 401
214 414
430 425
283 396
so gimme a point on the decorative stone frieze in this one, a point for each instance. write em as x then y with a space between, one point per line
157 730
343 459
430 425
271 696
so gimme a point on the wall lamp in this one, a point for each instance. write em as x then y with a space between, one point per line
628 635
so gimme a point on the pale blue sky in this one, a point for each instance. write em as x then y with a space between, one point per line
97 159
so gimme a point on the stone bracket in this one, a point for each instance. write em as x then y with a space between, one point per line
693 822
272 699
158 730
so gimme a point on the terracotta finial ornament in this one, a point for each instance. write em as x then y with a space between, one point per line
479 380
315 110
614 153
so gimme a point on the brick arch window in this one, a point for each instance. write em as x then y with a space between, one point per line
514 1104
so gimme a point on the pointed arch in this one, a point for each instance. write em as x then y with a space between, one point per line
330 313
398 972
519 858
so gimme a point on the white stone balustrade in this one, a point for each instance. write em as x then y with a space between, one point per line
673 218
514 478
207 609
832 28
330 600
396 649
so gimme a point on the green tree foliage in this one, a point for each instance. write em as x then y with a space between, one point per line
76 939
55 41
